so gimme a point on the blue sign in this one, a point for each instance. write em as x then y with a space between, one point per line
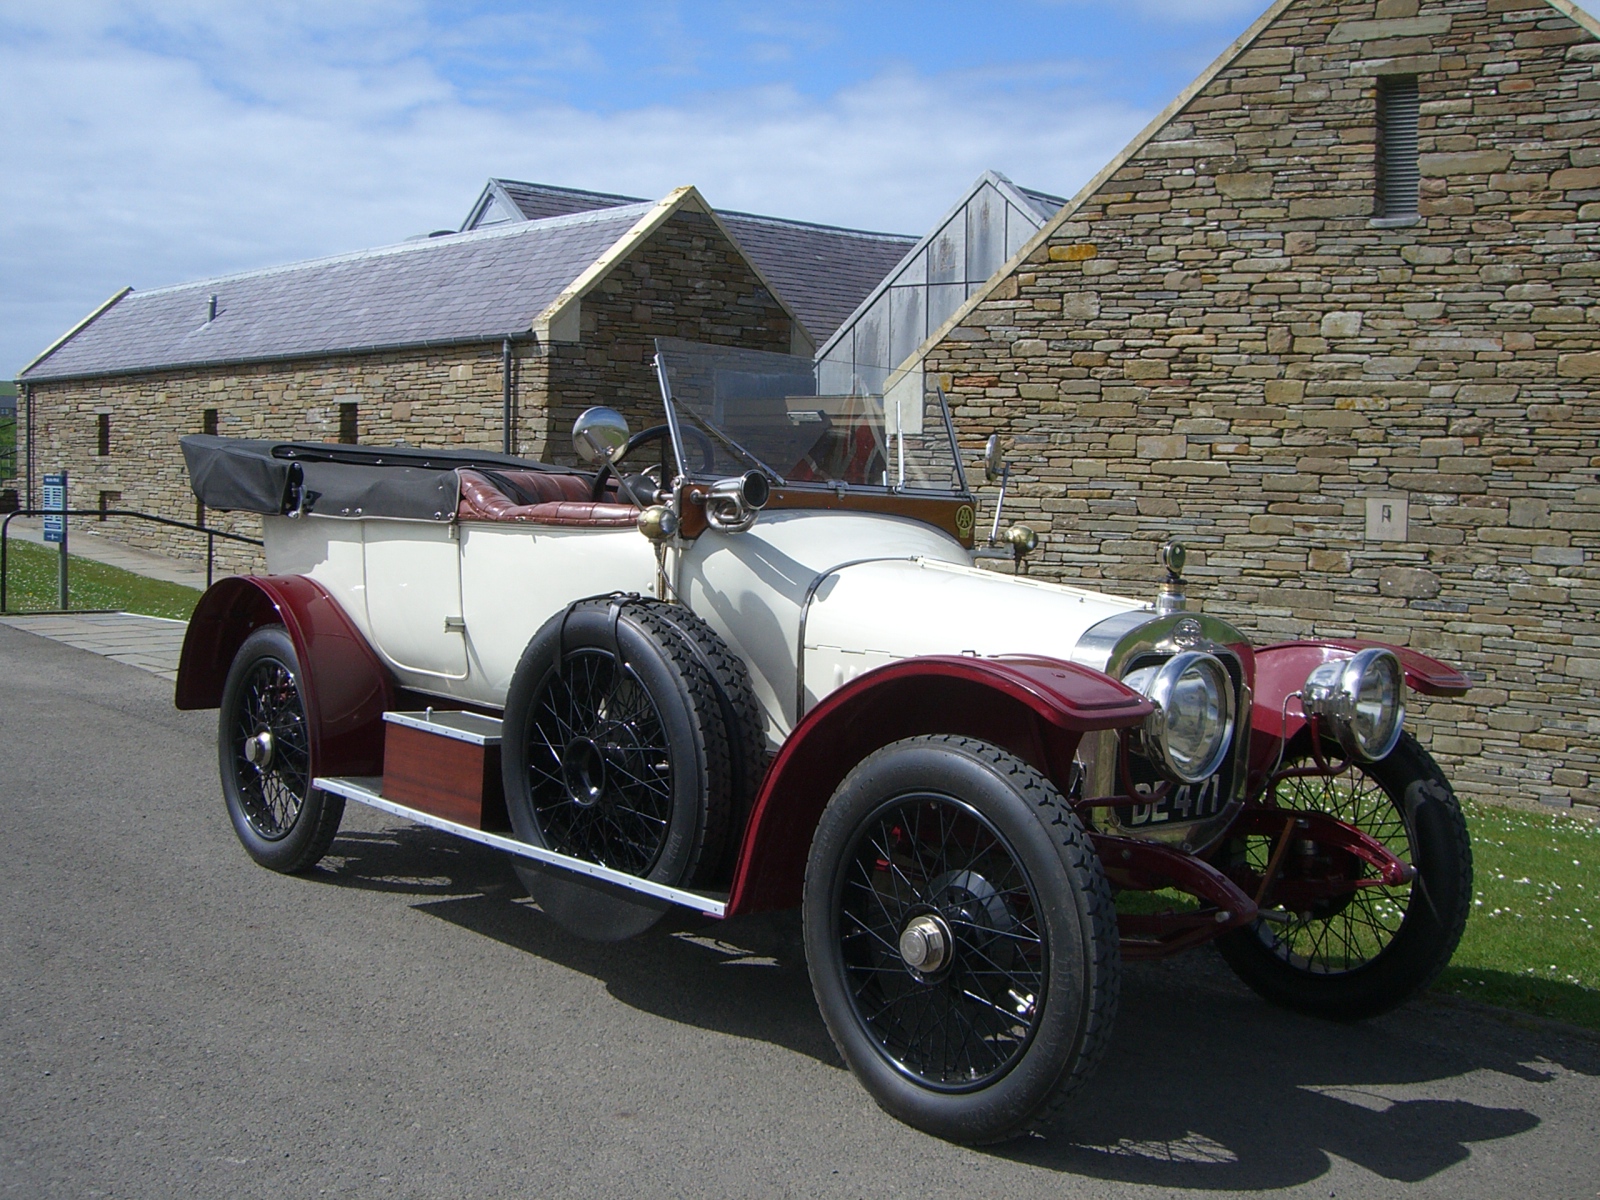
55 498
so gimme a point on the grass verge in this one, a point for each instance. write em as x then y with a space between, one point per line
1530 943
31 585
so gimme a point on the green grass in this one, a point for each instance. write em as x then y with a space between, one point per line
31 585
1530 942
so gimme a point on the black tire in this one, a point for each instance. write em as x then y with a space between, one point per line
1362 955
614 751
743 721
974 844
264 752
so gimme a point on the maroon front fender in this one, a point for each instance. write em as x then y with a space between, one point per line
346 688
1036 708
1281 671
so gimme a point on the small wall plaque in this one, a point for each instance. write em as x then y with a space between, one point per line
1386 518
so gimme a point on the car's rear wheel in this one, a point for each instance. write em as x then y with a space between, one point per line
264 752
614 751
1367 950
961 937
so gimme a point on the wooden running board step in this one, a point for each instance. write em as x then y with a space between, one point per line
441 768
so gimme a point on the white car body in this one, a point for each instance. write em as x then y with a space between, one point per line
449 607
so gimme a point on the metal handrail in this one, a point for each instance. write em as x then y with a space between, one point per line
211 535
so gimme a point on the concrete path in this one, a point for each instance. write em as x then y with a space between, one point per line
85 542
150 643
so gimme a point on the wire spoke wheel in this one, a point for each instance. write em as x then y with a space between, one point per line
961 937
599 765
272 757
1350 952
1345 933
264 752
616 750
965 1015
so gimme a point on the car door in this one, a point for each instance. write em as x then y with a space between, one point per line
515 577
413 590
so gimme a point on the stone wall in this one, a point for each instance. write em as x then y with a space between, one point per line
1218 343
436 398
685 280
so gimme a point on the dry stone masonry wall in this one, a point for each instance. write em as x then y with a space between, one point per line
687 281
442 398
1359 430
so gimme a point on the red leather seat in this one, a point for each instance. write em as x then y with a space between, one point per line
563 501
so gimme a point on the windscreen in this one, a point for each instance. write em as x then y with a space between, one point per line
734 410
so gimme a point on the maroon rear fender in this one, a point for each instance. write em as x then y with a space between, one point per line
1281 671
346 688
1036 708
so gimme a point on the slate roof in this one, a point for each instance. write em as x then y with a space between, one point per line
538 200
1043 203
821 271
462 287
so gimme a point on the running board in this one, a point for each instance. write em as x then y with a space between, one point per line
368 790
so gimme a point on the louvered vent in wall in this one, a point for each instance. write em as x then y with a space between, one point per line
1399 178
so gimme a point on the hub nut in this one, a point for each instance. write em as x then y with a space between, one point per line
258 750
925 944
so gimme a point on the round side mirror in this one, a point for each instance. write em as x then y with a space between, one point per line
598 435
994 464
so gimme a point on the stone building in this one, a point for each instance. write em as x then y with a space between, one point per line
498 336
821 271
1331 319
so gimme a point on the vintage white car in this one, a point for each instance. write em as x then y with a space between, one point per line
748 662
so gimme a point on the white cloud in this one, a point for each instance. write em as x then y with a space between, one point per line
153 143
195 146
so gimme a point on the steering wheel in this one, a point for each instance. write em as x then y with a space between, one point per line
708 457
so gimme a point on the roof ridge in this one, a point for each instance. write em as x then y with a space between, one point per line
568 191
724 212
797 224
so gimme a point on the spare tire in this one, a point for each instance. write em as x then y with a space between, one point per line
615 751
742 717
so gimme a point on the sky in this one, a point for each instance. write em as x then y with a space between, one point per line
151 142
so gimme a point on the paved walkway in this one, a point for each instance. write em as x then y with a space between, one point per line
85 542
150 643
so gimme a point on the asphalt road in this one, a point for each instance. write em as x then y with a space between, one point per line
175 1021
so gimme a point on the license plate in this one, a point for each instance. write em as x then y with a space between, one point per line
1184 803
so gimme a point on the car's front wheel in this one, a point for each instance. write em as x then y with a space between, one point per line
961 937
1362 951
264 751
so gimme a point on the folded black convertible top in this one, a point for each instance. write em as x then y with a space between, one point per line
246 475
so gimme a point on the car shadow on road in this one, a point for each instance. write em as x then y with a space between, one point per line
1205 1086
745 976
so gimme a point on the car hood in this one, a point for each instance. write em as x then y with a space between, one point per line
899 609
812 599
